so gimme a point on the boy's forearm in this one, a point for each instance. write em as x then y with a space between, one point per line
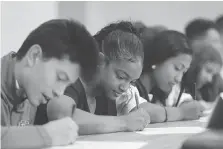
95 124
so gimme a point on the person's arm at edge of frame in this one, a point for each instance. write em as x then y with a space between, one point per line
15 137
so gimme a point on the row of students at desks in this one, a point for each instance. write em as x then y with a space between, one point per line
63 82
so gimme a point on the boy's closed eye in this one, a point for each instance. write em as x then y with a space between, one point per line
121 75
62 76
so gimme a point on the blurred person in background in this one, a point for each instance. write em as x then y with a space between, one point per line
203 32
219 23
202 81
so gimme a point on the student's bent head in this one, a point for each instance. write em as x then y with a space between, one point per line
219 23
206 64
203 31
167 57
53 56
121 57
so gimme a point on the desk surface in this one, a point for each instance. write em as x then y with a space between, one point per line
157 136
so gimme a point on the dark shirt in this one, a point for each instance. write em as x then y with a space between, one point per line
77 92
158 94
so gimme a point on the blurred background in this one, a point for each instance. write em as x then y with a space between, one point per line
19 18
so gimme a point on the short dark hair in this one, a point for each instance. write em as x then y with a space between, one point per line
198 27
120 41
165 45
62 37
219 23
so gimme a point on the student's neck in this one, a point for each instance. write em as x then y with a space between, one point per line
98 88
147 81
90 88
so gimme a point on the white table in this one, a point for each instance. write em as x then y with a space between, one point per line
157 136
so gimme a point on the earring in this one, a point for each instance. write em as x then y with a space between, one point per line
153 66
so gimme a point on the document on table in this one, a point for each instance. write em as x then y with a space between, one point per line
103 145
171 130
84 144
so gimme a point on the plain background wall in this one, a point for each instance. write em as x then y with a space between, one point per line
19 18
174 15
73 9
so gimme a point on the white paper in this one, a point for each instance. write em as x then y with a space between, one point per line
103 145
171 130
82 144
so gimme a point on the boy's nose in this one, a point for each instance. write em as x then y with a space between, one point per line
57 93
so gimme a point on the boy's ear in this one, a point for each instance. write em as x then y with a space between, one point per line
102 59
34 55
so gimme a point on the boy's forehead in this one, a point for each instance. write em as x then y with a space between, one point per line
65 65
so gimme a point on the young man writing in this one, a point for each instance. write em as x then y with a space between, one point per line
51 58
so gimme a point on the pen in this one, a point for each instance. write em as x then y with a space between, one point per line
73 109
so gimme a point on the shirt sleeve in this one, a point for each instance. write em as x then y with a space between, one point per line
126 102
27 137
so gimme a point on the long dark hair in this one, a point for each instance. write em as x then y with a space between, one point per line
163 46
202 55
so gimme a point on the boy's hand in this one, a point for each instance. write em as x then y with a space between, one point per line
60 107
62 132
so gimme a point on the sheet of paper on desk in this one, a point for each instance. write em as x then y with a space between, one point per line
103 145
203 119
171 130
